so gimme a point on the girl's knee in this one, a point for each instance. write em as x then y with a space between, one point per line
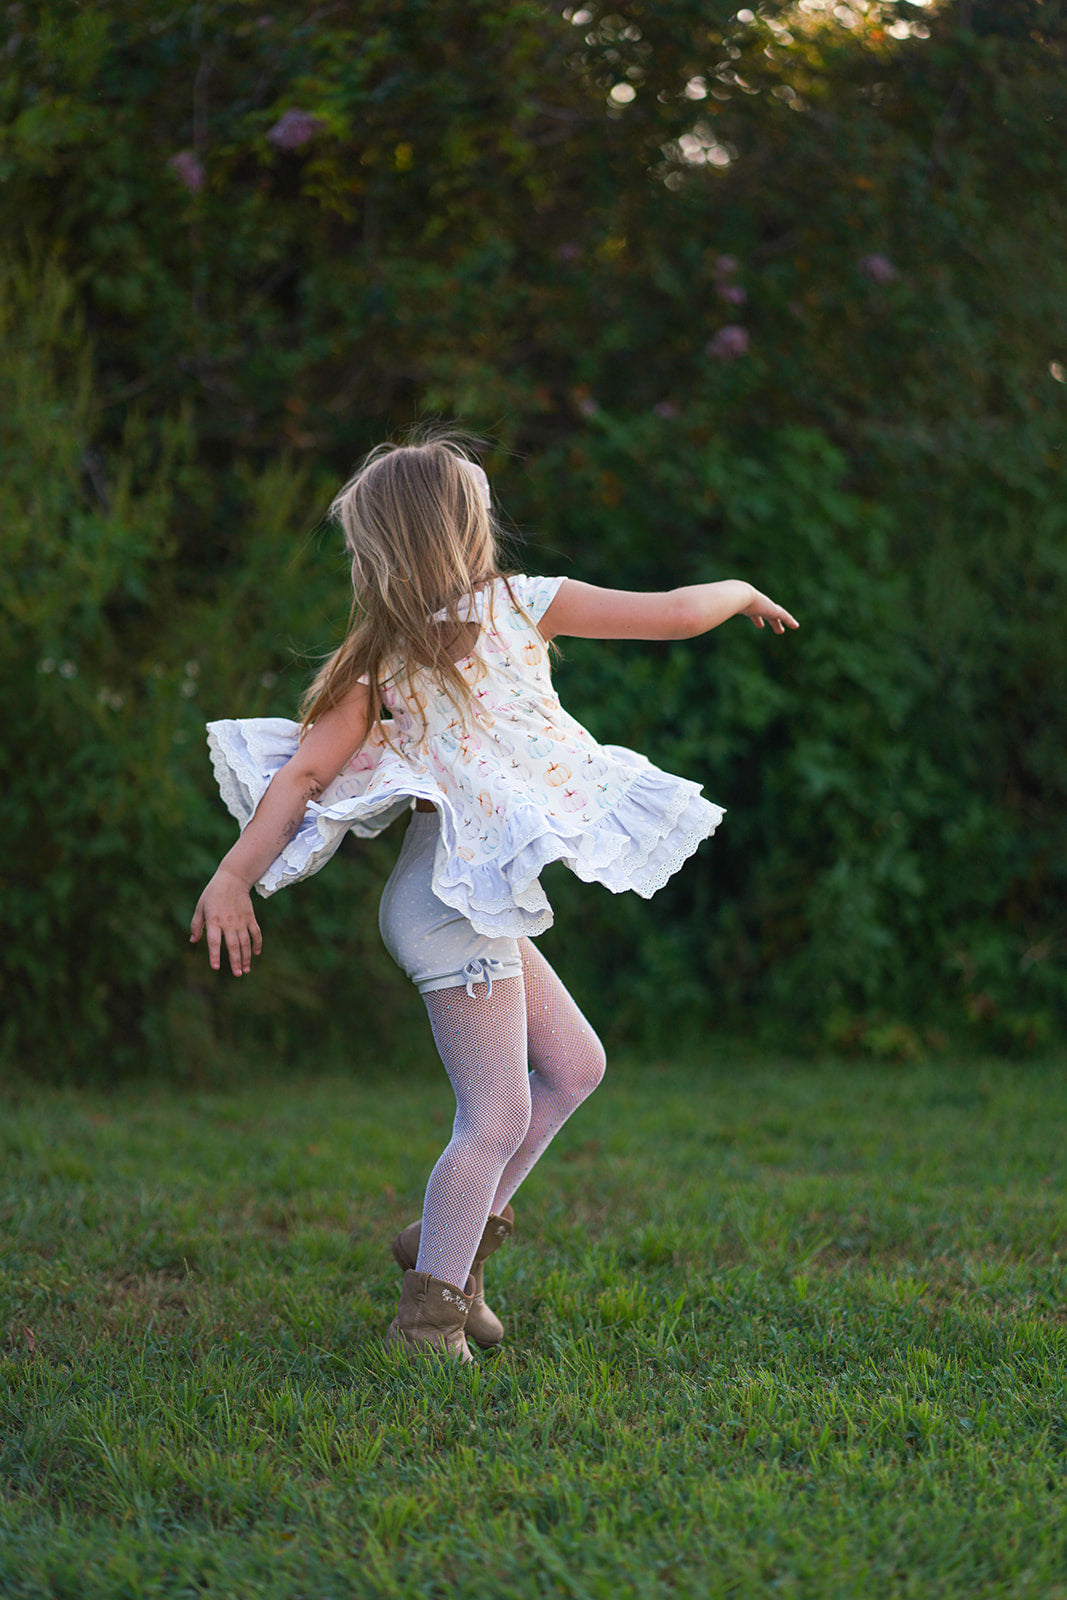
592 1066
509 1125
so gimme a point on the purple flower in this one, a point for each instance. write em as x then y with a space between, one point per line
666 409
729 343
588 406
568 252
726 266
188 171
732 293
879 269
293 129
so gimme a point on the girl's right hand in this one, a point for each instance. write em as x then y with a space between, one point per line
225 911
760 610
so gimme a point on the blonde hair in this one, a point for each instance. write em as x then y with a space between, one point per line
420 532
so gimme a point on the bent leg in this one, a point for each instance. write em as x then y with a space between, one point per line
481 1039
566 1064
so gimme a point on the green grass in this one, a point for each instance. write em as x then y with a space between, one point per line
774 1329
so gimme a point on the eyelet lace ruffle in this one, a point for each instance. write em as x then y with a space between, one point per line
518 784
655 825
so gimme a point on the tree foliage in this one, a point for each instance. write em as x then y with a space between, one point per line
774 291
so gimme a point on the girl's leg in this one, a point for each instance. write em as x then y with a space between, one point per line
566 1062
481 1039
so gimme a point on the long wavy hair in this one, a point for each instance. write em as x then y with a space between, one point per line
419 529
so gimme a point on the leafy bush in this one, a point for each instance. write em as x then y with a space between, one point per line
109 814
734 290
874 868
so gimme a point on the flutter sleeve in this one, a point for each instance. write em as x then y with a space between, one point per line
535 595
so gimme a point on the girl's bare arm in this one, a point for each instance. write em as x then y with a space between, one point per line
583 611
224 910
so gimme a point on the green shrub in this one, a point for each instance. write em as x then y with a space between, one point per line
110 816
784 307
875 869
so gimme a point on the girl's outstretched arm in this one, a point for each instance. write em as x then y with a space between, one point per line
583 611
224 910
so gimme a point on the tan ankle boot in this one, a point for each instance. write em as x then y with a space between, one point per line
432 1316
483 1324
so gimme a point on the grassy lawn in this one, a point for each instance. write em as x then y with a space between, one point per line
774 1329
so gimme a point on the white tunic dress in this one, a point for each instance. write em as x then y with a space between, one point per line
521 784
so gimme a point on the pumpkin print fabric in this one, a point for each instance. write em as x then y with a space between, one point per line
517 781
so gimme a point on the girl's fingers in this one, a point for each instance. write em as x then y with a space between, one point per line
242 943
228 923
233 950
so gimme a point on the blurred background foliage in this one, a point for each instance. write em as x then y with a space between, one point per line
775 292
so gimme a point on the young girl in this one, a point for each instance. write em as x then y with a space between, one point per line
501 780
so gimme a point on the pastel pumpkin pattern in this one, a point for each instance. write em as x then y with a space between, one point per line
515 777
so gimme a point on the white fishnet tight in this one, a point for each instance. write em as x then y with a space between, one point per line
520 1060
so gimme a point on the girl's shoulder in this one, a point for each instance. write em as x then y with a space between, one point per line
517 593
525 595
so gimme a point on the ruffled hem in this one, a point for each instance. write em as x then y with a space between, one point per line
654 826
246 753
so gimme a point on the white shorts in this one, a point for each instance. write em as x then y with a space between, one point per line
435 945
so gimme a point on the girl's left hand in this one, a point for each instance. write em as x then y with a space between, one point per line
225 912
761 610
